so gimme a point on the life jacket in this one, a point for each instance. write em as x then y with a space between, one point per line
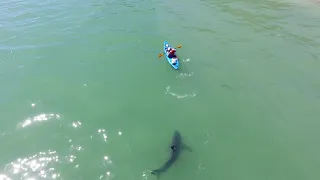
172 51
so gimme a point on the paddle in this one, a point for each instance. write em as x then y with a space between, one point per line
179 46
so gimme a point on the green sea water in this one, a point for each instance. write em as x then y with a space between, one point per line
84 96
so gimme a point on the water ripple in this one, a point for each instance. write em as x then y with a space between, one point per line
184 75
178 96
186 60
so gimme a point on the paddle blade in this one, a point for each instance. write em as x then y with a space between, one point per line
179 46
160 55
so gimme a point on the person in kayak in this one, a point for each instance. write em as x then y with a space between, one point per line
171 52
172 55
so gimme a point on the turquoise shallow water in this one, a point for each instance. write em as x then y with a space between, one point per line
84 96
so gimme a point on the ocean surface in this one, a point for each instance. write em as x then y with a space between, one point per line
84 96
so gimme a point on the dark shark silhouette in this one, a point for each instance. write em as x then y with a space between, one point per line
176 147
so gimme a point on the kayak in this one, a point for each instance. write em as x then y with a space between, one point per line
174 65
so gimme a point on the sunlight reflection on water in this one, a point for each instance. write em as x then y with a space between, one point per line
46 164
39 118
103 133
76 124
37 165
43 165
4 177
